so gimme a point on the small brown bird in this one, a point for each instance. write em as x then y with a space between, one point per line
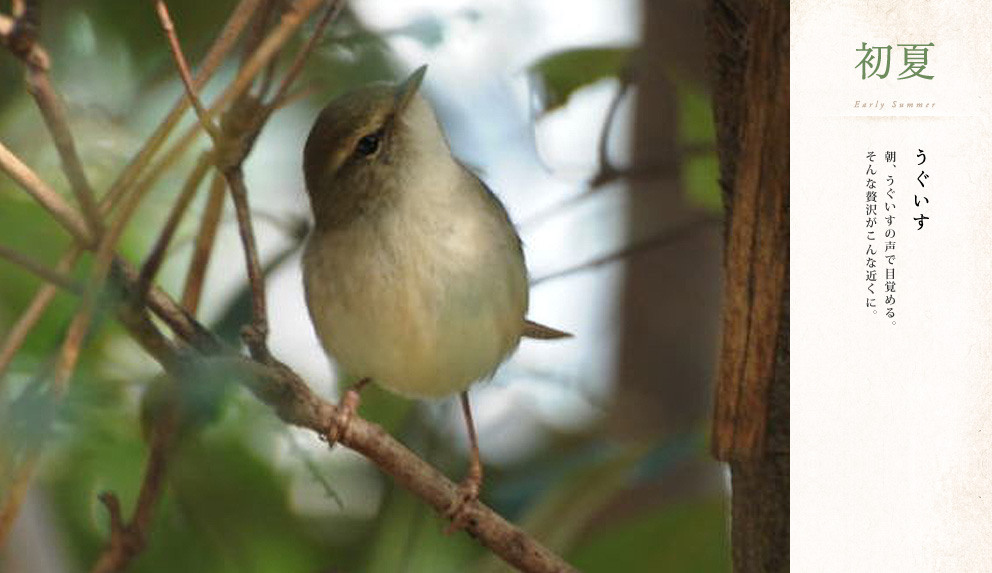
414 274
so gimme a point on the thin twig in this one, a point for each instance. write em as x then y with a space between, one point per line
603 148
290 21
256 32
183 67
296 67
238 87
227 38
655 169
259 329
16 491
123 545
127 540
666 237
209 225
25 46
34 55
255 335
41 270
234 144
63 213
53 112
262 22
295 95
32 314
154 259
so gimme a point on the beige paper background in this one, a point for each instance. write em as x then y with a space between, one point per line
891 423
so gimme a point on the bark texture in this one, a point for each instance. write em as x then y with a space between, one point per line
749 48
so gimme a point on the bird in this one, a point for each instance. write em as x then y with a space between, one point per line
414 274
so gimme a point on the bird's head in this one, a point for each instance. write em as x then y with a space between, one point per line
365 143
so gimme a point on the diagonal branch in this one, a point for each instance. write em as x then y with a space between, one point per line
30 317
664 238
40 86
330 15
157 255
209 225
228 36
183 67
47 274
295 403
127 540
63 213
21 37
258 331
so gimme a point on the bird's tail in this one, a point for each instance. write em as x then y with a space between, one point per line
539 331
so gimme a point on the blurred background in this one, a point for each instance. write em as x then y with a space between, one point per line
590 119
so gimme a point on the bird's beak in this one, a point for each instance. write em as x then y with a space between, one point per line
406 90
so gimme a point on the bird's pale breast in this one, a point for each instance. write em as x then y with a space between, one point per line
425 298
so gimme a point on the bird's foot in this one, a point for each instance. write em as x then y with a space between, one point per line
346 410
254 336
468 493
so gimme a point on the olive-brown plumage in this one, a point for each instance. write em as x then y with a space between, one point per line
414 274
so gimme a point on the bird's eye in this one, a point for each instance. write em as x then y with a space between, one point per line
369 144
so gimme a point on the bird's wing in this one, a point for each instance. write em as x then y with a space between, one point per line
531 329
539 331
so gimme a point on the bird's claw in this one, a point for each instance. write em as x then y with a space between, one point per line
338 431
458 513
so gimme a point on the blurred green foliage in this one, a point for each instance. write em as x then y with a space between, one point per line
559 75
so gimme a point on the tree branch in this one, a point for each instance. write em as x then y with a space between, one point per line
157 255
22 41
257 332
21 44
293 401
30 317
666 237
47 197
296 67
127 540
228 36
177 56
40 270
209 224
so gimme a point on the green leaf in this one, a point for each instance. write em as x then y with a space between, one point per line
697 133
700 179
559 75
696 125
